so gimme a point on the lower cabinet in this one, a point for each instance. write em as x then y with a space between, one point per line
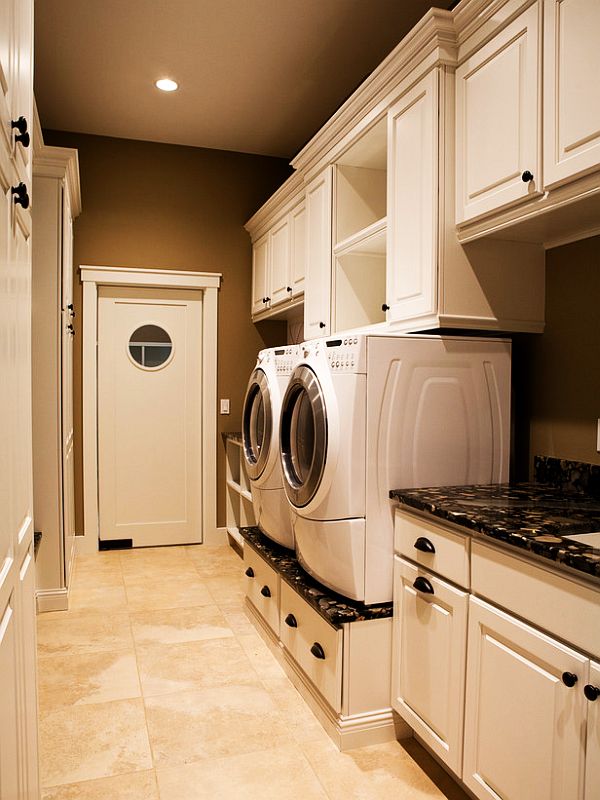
525 711
592 767
430 635
262 588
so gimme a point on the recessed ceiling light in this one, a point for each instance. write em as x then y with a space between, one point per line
166 85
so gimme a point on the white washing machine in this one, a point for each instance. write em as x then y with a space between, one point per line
260 436
364 414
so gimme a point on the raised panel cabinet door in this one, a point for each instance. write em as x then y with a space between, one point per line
298 249
10 734
524 717
592 752
497 121
412 243
429 652
279 245
571 93
317 283
260 274
28 675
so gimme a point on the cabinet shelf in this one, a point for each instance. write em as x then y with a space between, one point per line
239 507
368 241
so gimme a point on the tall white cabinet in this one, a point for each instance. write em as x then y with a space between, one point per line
18 714
56 185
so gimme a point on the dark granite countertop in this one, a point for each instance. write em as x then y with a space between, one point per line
334 608
533 517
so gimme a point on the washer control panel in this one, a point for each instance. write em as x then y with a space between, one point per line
346 353
283 359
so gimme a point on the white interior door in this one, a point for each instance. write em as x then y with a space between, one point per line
149 415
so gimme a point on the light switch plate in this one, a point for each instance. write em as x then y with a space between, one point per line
225 405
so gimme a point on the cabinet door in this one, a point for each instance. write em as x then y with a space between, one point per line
429 651
412 209
260 274
571 94
317 287
298 249
523 725
279 247
67 337
497 121
592 771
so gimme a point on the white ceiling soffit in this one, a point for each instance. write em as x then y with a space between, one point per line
255 76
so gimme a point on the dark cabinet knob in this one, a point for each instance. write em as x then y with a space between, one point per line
527 176
591 692
569 679
264 299
249 572
290 620
321 324
21 125
71 329
267 299
424 545
317 651
265 591
288 288
421 584
385 307
20 195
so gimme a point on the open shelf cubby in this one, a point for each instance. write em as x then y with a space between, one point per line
239 510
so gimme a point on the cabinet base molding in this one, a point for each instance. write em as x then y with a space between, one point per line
347 732
52 600
215 537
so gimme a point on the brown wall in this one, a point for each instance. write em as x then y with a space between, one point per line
172 207
557 378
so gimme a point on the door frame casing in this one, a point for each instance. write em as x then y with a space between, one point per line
206 282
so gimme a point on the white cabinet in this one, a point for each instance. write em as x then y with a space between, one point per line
430 634
571 95
523 723
317 292
56 185
498 120
592 770
279 253
239 511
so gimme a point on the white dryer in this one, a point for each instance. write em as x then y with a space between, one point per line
364 414
260 437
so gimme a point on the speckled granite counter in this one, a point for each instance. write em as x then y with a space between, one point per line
332 607
529 516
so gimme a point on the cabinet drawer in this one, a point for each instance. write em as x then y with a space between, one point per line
262 588
563 607
450 556
306 635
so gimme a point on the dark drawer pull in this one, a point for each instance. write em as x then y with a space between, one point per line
290 620
265 591
249 572
317 650
424 545
569 679
591 692
421 584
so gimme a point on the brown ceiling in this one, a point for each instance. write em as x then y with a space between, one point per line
259 76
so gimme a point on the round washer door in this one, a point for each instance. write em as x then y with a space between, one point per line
303 436
257 424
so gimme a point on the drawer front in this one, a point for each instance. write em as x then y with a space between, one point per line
431 546
306 636
563 607
262 588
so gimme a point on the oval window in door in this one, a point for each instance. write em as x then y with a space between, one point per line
150 346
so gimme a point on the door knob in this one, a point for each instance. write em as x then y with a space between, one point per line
569 679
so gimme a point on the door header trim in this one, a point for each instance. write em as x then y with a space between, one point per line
163 278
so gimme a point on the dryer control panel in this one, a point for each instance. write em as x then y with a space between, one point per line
346 353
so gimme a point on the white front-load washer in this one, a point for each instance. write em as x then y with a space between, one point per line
260 440
366 413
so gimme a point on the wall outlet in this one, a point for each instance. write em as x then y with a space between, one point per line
224 405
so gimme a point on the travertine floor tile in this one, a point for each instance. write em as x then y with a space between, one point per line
279 773
227 590
174 593
302 723
80 743
77 679
228 720
261 658
108 598
177 625
132 786
83 632
215 562
238 620
165 669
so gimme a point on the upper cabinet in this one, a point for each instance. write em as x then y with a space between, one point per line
279 252
317 296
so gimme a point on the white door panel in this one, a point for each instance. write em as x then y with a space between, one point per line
149 420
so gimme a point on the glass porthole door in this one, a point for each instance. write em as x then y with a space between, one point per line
150 346
303 436
257 424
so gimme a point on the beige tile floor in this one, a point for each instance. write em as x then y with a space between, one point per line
156 686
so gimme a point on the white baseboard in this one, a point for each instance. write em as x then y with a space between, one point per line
52 600
85 545
358 730
216 536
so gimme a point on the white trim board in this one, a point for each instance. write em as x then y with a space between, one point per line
208 283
